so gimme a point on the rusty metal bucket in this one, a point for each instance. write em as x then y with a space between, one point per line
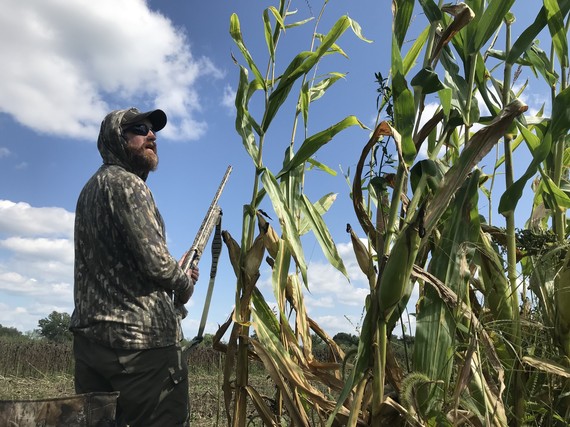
82 410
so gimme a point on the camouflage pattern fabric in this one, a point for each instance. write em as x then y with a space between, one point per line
85 410
124 275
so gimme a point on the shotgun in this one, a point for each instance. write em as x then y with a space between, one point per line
190 260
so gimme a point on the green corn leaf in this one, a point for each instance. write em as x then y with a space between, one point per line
433 13
280 273
512 195
290 233
490 22
323 235
445 96
298 23
268 35
428 80
300 66
303 105
322 206
559 126
265 316
235 32
404 11
334 48
357 30
243 122
559 198
312 93
479 146
412 56
435 330
469 108
541 63
316 164
318 89
315 142
277 16
528 36
301 318
364 359
558 32
280 94
404 110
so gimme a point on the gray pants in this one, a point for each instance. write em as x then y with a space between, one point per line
153 383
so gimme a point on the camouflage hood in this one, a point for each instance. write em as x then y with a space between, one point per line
111 143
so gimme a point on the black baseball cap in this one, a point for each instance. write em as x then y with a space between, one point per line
133 116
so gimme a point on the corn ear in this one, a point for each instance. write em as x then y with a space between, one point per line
497 290
270 237
254 257
363 256
562 304
234 251
396 274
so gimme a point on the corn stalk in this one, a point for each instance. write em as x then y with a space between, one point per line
473 337
284 349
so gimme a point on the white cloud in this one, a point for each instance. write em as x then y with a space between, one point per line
21 166
40 248
36 263
72 61
335 324
4 152
229 97
21 219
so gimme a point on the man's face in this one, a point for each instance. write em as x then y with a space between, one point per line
142 148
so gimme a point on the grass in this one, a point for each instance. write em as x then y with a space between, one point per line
24 376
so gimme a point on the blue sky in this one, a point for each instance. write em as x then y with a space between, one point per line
72 61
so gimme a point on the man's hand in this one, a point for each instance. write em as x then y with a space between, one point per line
194 274
182 297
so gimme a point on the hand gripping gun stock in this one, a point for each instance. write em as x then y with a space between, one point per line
212 220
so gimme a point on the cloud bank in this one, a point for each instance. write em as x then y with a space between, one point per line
71 62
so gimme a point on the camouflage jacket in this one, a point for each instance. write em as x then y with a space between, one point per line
124 274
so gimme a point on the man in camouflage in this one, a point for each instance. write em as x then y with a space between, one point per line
127 285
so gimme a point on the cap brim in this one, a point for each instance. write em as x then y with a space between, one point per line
156 117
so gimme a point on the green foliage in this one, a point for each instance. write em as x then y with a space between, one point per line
9 332
346 341
474 347
55 327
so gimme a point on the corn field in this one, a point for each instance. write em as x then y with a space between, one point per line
492 338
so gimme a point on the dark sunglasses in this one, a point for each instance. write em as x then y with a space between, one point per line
141 129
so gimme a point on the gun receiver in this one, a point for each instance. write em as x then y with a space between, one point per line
192 257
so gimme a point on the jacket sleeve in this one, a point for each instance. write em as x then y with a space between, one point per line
142 227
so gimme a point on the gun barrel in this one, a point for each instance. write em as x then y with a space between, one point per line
212 217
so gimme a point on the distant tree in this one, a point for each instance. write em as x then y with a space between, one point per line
10 332
208 340
346 341
33 334
55 327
